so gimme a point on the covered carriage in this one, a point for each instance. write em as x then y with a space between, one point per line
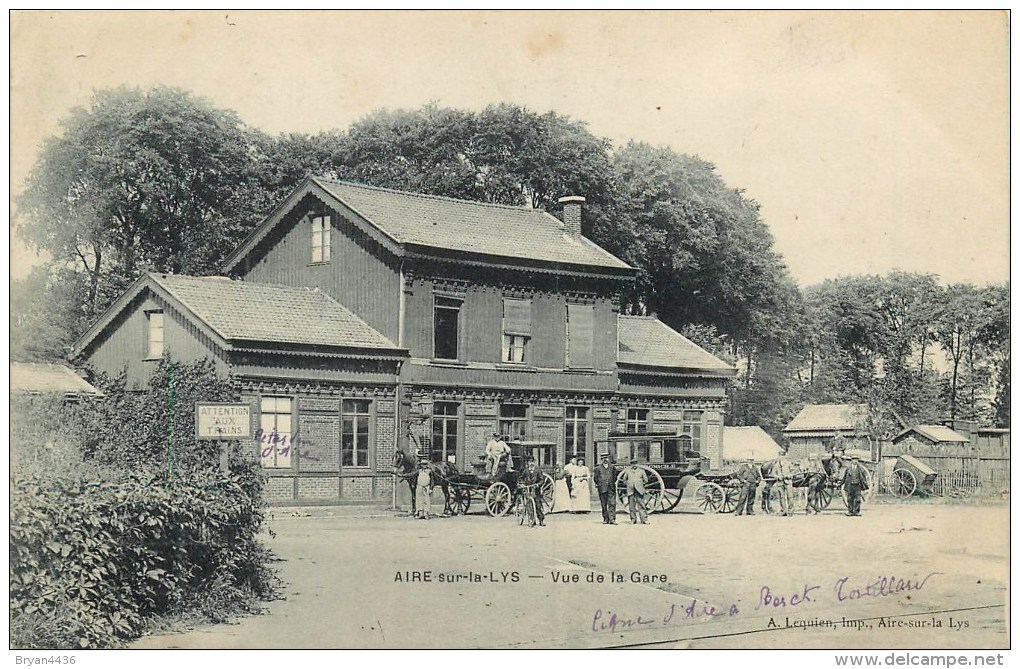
499 493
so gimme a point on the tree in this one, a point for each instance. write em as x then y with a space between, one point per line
45 313
156 180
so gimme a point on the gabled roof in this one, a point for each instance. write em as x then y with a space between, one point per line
45 378
748 443
241 314
829 418
404 222
934 433
648 342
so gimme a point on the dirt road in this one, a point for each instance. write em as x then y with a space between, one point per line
920 575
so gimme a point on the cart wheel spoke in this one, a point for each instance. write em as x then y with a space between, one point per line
824 497
709 497
903 483
731 495
497 499
547 492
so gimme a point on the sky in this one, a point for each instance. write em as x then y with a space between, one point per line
873 141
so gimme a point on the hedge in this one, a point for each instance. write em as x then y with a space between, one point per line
92 563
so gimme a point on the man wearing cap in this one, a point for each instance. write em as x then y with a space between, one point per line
531 476
855 482
637 482
605 481
496 450
748 477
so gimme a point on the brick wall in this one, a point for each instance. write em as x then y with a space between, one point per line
327 487
359 487
279 488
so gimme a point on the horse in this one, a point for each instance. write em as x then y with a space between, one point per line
813 475
805 474
406 467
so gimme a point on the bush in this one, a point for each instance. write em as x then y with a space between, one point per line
153 429
90 564
115 523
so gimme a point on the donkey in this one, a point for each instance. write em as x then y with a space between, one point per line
406 467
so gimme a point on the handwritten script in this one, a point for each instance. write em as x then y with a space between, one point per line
768 598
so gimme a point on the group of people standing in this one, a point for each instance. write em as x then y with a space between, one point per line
572 487
847 471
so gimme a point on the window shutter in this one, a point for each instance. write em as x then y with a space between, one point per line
580 326
517 317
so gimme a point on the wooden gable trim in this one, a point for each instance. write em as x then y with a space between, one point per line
135 290
308 186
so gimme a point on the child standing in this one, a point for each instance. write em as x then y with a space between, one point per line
423 492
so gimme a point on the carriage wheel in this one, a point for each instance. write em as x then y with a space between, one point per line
903 483
460 499
709 497
824 498
497 499
670 498
655 488
731 495
547 492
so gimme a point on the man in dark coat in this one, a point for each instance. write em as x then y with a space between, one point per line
605 480
748 477
531 476
855 482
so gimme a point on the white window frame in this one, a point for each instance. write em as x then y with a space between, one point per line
276 423
322 228
155 323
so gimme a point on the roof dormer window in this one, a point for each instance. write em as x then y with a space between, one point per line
321 228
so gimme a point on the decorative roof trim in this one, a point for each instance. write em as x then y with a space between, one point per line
454 256
308 186
335 352
145 281
659 370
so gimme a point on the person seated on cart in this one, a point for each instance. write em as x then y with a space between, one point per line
533 478
497 450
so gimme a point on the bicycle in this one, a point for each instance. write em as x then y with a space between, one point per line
525 507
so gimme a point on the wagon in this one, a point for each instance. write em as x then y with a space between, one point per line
666 458
910 475
499 492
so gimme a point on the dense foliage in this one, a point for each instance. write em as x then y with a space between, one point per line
162 180
90 563
114 521
159 437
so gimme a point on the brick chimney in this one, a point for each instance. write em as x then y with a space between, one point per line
572 214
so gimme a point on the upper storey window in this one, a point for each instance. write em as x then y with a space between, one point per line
321 228
516 329
154 349
580 336
446 332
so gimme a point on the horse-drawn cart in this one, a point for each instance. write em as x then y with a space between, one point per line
910 475
499 492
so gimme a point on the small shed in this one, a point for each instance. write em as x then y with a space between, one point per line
921 439
748 443
818 427
31 378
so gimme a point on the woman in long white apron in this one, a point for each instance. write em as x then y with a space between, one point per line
580 496
561 495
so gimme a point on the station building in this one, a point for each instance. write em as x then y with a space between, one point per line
355 319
